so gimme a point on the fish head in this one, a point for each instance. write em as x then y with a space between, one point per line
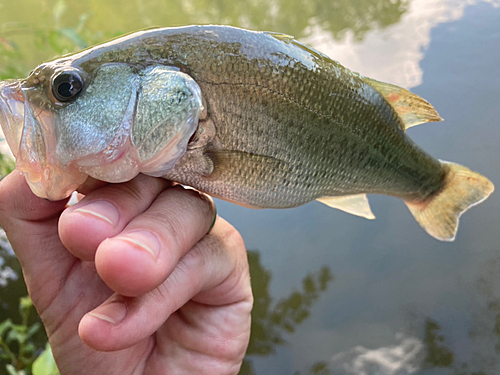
67 121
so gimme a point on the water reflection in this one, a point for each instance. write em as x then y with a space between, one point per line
289 16
434 353
392 54
59 26
272 322
409 355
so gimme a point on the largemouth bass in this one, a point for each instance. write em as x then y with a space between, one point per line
255 118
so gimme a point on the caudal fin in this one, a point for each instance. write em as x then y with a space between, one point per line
463 189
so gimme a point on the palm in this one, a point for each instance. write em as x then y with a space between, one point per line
190 314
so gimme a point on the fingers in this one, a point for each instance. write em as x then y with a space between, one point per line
142 256
104 212
136 231
214 269
17 202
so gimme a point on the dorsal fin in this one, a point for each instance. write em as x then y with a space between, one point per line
281 36
352 204
412 109
289 39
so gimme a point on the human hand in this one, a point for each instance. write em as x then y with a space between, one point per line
164 297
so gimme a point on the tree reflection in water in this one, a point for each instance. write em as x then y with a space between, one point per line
271 322
437 354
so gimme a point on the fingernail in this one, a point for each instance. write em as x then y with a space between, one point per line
101 210
143 241
113 312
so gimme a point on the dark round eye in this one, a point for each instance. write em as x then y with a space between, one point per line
66 86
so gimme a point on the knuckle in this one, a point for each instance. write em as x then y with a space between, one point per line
128 191
201 200
205 252
168 225
231 352
231 237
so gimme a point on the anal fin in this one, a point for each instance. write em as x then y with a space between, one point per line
354 204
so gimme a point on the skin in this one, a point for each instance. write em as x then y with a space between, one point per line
110 306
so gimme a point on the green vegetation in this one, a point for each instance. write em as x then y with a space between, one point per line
7 165
17 348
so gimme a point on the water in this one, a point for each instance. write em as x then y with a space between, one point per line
337 294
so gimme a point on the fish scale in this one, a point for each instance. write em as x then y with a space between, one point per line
319 136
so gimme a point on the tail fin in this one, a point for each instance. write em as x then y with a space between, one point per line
463 189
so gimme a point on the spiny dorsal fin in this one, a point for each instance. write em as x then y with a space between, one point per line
289 39
281 36
353 204
412 109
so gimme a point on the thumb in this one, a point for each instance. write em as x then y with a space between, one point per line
30 223
17 202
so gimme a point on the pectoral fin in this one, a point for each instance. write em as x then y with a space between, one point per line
353 204
412 109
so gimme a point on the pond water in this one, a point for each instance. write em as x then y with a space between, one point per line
337 294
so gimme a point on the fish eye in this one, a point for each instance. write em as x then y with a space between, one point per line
66 86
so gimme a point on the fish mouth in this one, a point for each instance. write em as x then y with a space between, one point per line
12 113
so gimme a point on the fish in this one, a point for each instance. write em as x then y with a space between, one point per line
255 118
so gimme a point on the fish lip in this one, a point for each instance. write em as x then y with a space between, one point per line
12 102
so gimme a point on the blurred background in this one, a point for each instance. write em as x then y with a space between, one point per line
335 294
